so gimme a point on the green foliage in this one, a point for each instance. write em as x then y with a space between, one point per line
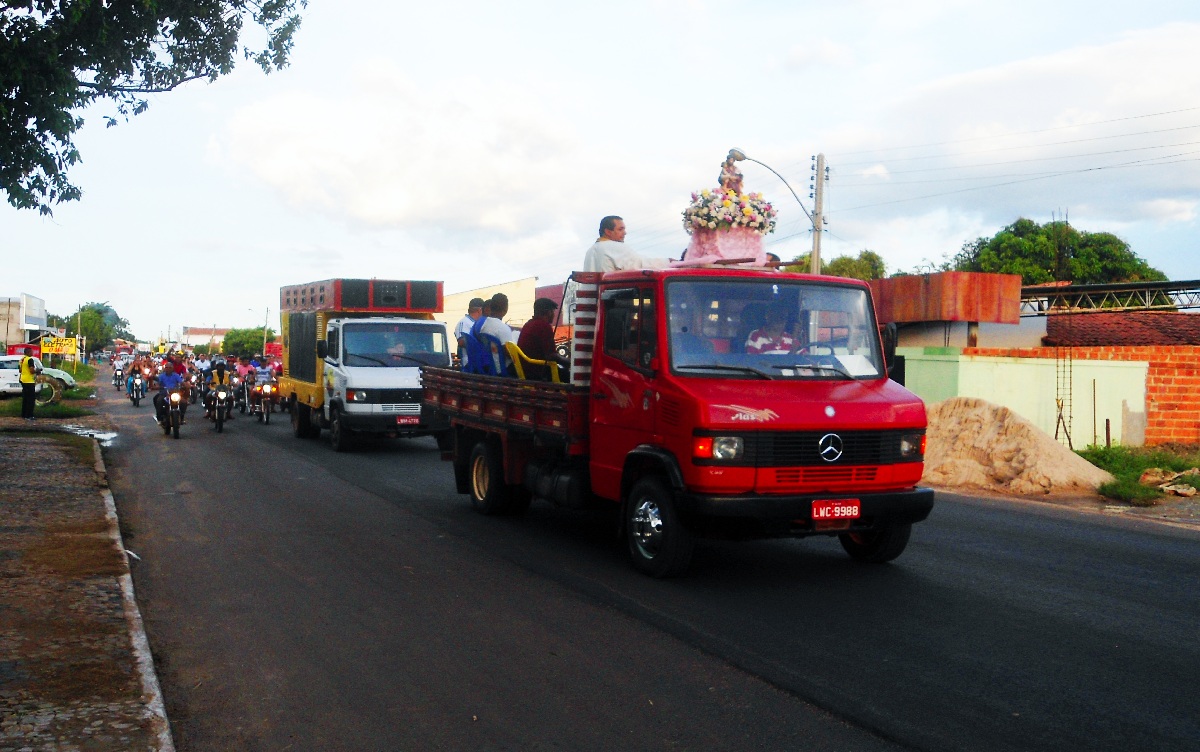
866 266
246 342
1054 251
201 349
59 56
1127 465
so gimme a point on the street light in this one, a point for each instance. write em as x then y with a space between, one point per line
737 155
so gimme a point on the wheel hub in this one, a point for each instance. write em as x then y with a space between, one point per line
647 528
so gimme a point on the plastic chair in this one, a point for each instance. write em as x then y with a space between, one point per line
479 356
519 360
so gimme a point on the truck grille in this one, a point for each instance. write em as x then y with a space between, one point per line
801 449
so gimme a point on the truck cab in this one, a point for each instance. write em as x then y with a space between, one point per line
372 373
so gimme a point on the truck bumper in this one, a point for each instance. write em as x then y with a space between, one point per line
792 515
431 422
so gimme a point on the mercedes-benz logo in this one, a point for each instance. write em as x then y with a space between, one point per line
830 447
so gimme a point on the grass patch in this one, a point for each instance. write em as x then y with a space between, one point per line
11 408
1128 463
80 392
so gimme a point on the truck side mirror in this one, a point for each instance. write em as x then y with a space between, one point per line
322 349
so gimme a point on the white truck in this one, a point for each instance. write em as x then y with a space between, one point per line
352 353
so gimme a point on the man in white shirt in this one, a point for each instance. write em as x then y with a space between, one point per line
474 310
610 254
494 325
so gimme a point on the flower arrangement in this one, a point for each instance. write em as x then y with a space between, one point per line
724 208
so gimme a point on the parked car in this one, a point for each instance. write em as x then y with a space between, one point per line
9 375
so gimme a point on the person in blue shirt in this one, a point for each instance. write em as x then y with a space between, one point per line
167 380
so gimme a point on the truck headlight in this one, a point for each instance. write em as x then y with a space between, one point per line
718 447
912 445
355 395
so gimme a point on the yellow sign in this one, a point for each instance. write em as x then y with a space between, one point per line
58 345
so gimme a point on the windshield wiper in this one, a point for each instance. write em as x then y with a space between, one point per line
367 357
739 369
817 367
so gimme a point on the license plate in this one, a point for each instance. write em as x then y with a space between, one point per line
826 510
407 420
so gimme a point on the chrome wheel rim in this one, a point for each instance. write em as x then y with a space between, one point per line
646 526
479 478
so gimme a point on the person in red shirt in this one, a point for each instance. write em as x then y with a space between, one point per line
537 339
773 337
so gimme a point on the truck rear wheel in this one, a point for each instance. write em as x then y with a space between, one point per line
303 426
659 544
877 547
489 494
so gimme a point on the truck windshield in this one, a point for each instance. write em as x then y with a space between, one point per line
394 345
786 329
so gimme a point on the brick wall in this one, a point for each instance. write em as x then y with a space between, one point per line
1172 383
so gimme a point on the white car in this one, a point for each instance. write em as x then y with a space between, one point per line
10 381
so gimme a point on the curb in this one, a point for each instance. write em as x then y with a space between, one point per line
151 691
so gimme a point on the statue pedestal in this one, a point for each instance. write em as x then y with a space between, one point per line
726 243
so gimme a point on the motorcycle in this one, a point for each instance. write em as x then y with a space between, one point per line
220 404
194 391
137 390
260 401
119 378
239 393
173 413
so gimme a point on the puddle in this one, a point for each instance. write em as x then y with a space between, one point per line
106 438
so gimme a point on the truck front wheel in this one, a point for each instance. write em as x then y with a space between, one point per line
489 494
659 544
877 547
339 436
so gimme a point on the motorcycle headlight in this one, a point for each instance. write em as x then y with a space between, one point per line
266 388
175 396
221 395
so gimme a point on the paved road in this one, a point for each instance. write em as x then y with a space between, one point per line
301 599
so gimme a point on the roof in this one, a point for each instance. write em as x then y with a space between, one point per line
1124 328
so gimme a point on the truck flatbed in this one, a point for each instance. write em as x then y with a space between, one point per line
556 412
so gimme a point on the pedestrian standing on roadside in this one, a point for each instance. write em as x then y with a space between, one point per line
29 370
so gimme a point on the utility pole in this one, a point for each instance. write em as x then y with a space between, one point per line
818 218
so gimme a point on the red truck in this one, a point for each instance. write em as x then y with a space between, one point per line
706 402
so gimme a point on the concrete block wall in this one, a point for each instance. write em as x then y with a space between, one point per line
1172 383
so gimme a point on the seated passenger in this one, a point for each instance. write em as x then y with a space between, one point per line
537 339
773 337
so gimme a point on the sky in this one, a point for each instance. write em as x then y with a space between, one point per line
478 142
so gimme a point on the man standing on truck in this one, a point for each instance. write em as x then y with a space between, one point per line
493 325
610 254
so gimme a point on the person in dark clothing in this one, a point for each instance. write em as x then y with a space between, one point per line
30 367
537 339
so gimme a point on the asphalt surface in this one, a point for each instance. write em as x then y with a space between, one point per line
300 599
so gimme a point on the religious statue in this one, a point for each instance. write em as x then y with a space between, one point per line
731 177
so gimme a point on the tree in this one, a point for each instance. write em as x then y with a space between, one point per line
59 56
1055 251
245 342
98 322
867 265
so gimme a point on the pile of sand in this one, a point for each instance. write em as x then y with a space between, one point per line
976 444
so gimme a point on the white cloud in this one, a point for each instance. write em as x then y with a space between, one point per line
820 53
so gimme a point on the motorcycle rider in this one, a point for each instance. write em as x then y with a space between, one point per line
263 374
167 380
220 377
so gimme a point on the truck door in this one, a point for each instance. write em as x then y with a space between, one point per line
622 383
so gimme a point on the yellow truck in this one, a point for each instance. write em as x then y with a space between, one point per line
352 353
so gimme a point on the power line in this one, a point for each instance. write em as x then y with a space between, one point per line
1021 133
